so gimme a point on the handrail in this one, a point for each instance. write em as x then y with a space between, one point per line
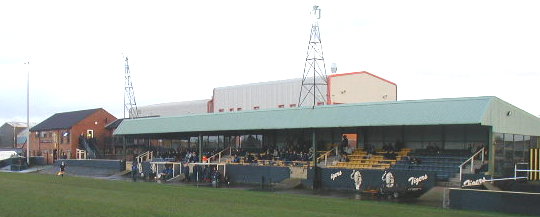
219 154
325 155
148 155
472 162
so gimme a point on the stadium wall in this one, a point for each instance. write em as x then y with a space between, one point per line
408 182
255 174
104 164
495 201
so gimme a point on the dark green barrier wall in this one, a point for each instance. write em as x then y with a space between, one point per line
510 202
107 164
340 179
415 182
255 174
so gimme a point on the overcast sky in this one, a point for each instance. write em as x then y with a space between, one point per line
181 50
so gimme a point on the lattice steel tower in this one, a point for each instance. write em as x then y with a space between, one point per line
314 89
130 105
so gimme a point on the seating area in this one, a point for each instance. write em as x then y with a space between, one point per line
279 163
444 164
271 157
361 159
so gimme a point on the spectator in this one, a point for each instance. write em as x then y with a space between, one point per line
167 173
187 158
236 159
134 171
390 155
414 160
388 148
344 158
185 171
62 169
344 144
207 174
399 145
194 158
433 149
370 150
216 177
250 159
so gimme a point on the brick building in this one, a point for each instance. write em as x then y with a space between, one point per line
58 136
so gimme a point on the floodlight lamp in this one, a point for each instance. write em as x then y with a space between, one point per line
333 68
316 12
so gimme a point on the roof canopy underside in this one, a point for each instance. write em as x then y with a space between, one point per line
477 110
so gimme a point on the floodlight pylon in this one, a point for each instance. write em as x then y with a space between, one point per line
314 79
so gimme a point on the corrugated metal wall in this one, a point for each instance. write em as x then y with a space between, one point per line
267 95
175 109
355 87
359 87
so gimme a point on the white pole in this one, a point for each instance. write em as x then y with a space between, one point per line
14 137
472 164
483 156
28 114
460 175
515 171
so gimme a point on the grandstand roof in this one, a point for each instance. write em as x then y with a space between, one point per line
489 111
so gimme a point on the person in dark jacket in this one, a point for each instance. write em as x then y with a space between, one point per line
344 144
62 169
134 171
216 177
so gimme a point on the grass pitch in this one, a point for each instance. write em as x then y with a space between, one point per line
47 195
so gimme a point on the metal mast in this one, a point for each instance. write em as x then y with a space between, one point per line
28 113
130 105
314 88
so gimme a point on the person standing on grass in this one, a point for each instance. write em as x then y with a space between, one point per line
134 170
62 169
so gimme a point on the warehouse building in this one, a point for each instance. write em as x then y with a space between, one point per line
356 87
174 108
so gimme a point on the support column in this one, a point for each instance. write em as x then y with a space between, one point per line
124 147
358 138
491 152
200 147
316 176
443 142
403 136
366 138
